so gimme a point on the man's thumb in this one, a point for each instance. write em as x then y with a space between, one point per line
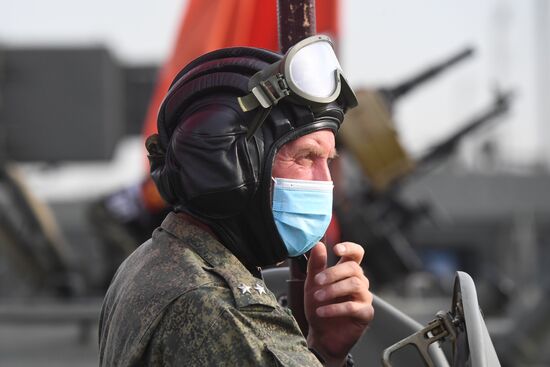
317 261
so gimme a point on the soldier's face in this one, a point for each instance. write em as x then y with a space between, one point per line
306 158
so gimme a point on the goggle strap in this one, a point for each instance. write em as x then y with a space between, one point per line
267 94
274 88
257 122
248 102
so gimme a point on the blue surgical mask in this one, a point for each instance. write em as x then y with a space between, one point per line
302 210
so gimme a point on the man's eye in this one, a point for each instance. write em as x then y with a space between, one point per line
305 159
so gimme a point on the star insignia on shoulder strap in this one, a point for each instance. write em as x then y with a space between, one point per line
244 288
259 288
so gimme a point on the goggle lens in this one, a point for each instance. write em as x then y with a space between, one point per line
313 69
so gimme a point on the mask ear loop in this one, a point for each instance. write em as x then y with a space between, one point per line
302 262
257 122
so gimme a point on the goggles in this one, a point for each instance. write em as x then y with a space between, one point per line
308 74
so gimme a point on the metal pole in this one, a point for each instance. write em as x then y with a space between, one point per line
296 21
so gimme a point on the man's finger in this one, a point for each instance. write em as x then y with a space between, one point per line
342 271
317 261
349 251
355 288
363 312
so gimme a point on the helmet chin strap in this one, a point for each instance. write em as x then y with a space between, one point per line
257 122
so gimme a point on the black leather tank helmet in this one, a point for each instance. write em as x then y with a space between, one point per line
203 163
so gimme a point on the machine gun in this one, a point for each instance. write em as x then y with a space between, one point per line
380 218
392 94
370 131
442 150
445 148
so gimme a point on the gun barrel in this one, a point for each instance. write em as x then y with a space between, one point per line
429 73
443 149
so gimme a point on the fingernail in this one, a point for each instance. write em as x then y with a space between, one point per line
340 248
320 312
320 278
320 295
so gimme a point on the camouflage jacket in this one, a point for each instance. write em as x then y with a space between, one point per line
182 299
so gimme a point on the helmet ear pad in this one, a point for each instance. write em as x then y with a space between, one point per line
209 166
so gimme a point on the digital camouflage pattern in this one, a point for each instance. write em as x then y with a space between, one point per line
182 299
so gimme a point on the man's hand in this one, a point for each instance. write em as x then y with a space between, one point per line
337 300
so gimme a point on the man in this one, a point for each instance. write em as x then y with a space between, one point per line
242 154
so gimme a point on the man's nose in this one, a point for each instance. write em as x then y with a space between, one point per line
322 172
